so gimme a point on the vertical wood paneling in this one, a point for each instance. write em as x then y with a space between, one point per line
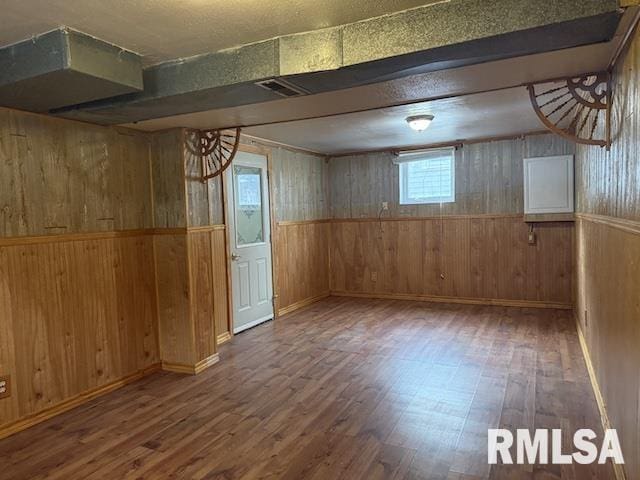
220 288
216 206
608 182
300 191
191 279
197 191
489 180
77 310
201 296
609 314
204 199
303 256
9 407
300 185
168 172
133 183
76 315
174 313
608 189
59 176
478 258
184 260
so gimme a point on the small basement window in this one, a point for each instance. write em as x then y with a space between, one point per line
427 176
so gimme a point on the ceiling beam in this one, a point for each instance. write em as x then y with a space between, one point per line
63 67
428 38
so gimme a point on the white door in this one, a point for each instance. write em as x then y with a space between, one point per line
247 192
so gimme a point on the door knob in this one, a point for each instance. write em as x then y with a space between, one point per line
235 257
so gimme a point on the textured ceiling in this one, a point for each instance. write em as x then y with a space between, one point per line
500 113
446 83
166 29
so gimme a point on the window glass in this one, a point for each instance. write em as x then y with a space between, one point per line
428 178
248 204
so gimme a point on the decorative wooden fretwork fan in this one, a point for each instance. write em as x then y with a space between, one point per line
577 108
214 148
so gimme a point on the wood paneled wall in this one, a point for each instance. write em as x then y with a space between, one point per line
474 258
609 314
205 279
479 245
300 185
303 259
608 182
204 199
486 259
77 290
301 196
489 180
608 253
176 329
59 176
221 293
191 276
75 315
167 171
407 257
185 257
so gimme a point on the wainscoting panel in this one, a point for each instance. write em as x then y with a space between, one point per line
192 294
608 309
201 293
176 328
470 258
76 315
608 257
303 263
220 283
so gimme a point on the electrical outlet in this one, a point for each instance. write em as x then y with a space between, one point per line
385 205
374 276
4 387
532 238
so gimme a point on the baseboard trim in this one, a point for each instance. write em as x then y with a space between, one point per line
206 363
461 300
73 402
223 337
302 303
191 369
602 406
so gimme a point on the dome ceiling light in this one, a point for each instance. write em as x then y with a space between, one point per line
419 123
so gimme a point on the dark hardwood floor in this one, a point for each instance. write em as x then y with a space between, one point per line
346 388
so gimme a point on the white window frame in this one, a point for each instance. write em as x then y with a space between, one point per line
405 158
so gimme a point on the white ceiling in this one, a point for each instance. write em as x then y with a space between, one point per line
482 115
167 29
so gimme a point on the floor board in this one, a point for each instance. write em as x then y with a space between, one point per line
345 388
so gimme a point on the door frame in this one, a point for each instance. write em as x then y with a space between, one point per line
266 152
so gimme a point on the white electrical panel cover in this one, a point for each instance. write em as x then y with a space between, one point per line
548 184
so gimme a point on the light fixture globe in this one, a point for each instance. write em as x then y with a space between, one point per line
419 123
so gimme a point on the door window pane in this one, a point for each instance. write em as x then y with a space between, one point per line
248 205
